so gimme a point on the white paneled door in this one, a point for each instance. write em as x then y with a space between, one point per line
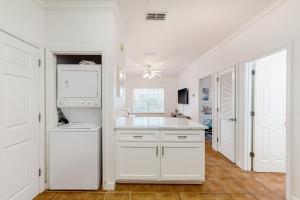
226 139
19 106
270 113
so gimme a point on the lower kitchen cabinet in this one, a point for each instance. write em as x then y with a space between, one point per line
161 156
137 161
182 161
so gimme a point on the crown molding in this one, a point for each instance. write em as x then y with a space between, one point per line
76 4
245 27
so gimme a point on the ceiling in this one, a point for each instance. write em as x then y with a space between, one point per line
191 28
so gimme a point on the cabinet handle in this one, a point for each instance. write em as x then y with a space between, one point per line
182 137
156 150
163 150
232 119
137 137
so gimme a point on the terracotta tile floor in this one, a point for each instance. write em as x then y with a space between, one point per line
224 181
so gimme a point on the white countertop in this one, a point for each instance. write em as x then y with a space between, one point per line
157 123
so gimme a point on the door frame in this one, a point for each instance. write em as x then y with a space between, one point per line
217 110
50 102
41 81
248 101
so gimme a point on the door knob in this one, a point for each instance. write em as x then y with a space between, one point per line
233 119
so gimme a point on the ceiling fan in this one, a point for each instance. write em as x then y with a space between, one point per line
150 73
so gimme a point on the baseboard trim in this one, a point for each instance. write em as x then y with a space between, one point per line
109 186
162 182
294 198
238 163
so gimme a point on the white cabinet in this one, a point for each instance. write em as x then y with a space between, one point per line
137 161
160 156
182 161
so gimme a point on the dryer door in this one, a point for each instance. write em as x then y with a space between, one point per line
79 83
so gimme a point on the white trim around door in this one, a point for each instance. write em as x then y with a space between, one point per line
51 110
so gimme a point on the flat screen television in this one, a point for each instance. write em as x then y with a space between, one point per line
183 96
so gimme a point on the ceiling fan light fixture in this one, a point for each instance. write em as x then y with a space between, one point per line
145 75
150 73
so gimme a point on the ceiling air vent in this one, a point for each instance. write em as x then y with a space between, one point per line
156 16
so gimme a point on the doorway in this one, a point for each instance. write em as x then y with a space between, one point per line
268 115
206 105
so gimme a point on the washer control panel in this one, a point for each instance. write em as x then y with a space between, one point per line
75 103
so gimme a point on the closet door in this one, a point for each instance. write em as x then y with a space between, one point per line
19 108
227 116
270 113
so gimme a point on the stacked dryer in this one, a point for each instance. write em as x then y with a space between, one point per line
74 148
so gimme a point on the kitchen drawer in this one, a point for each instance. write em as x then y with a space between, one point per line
182 136
137 136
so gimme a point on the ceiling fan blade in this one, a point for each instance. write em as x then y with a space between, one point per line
156 73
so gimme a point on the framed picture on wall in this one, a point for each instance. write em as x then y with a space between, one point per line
121 83
205 94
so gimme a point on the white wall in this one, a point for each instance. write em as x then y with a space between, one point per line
23 18
169 83
119 62
272 31
86 29
79 28
118 102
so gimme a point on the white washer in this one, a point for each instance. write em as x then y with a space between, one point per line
74 157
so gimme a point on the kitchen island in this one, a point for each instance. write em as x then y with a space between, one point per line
159 150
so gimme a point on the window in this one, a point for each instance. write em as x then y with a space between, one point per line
149 100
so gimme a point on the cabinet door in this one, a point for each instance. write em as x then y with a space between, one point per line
182 161
137 161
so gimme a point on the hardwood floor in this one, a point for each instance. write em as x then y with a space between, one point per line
224 181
